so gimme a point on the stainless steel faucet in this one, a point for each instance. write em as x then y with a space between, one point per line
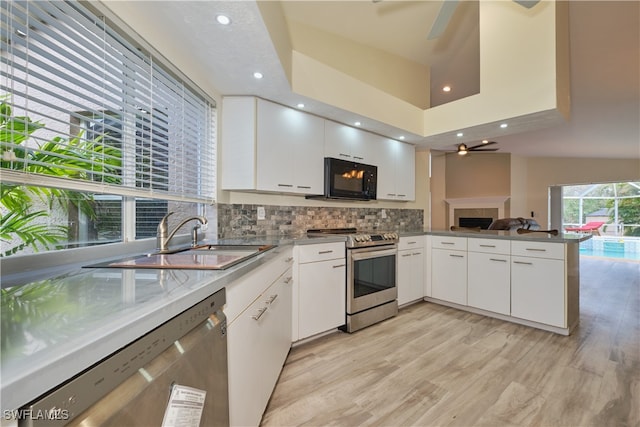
164 236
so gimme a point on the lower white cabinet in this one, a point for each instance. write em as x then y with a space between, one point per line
321 289
259 339
449 275
411 265
538 290
489 282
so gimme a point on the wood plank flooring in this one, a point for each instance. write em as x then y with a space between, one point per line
437 366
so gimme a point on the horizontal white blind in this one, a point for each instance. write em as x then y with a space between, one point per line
88 106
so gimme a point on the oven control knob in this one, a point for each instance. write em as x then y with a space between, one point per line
366 238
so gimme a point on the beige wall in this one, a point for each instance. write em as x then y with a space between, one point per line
543 172
529 179
477 175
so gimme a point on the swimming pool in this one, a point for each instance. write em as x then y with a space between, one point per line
612 247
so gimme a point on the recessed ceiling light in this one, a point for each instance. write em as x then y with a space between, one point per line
301 105
459 134
485 141
446 88
503 125
357 123
223 19
258 75
401 137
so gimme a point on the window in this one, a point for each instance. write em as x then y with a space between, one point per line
99 139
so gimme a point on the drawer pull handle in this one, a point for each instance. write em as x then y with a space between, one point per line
325 252
457 256
358 158
448 243
496 259
271 299
402 195
289 259
536 249
285 185
403 255
339 265
304 186
411 243
521 262
391 194
288 280
416 253
487 246
344 155
258 315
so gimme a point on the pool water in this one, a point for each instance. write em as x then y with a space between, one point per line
621 248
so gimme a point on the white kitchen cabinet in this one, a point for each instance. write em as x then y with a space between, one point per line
449 275
538 283
489 275
411 265
259 339
321 291
396 171
489 282
347 143
272 148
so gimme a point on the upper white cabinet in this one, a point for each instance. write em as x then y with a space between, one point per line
396 170
269 147
347 143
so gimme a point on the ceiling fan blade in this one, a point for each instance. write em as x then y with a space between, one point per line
480 149
443 18
527 3
482 145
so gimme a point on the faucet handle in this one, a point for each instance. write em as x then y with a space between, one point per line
162 225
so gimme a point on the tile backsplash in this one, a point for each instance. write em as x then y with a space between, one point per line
239 220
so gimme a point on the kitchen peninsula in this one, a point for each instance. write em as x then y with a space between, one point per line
531 279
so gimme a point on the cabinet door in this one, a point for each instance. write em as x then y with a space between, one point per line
289 145
405 172
258 343
449 276
396 171
346 143
489 282
538 290
410 275
321 296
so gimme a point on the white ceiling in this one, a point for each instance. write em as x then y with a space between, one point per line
605 60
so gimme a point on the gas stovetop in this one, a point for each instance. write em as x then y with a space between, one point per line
358 238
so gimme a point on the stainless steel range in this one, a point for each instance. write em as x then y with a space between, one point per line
372 259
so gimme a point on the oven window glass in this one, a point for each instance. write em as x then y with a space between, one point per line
374 275
348 180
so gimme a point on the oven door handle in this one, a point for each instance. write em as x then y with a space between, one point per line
361 254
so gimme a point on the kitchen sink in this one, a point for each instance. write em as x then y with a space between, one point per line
203 257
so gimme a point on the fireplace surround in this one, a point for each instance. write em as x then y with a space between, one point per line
476 207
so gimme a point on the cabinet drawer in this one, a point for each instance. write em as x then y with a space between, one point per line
490 246
442 242
411 242
241 293
538 249
321 252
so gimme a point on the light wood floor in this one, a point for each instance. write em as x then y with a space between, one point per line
436 366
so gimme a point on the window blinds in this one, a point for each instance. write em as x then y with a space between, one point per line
87 109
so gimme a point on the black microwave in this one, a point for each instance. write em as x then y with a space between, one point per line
349 180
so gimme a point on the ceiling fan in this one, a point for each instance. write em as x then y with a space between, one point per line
463 149
446 12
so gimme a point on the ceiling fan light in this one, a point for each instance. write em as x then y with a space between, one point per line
462 152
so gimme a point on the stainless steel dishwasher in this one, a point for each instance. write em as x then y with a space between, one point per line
133 386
